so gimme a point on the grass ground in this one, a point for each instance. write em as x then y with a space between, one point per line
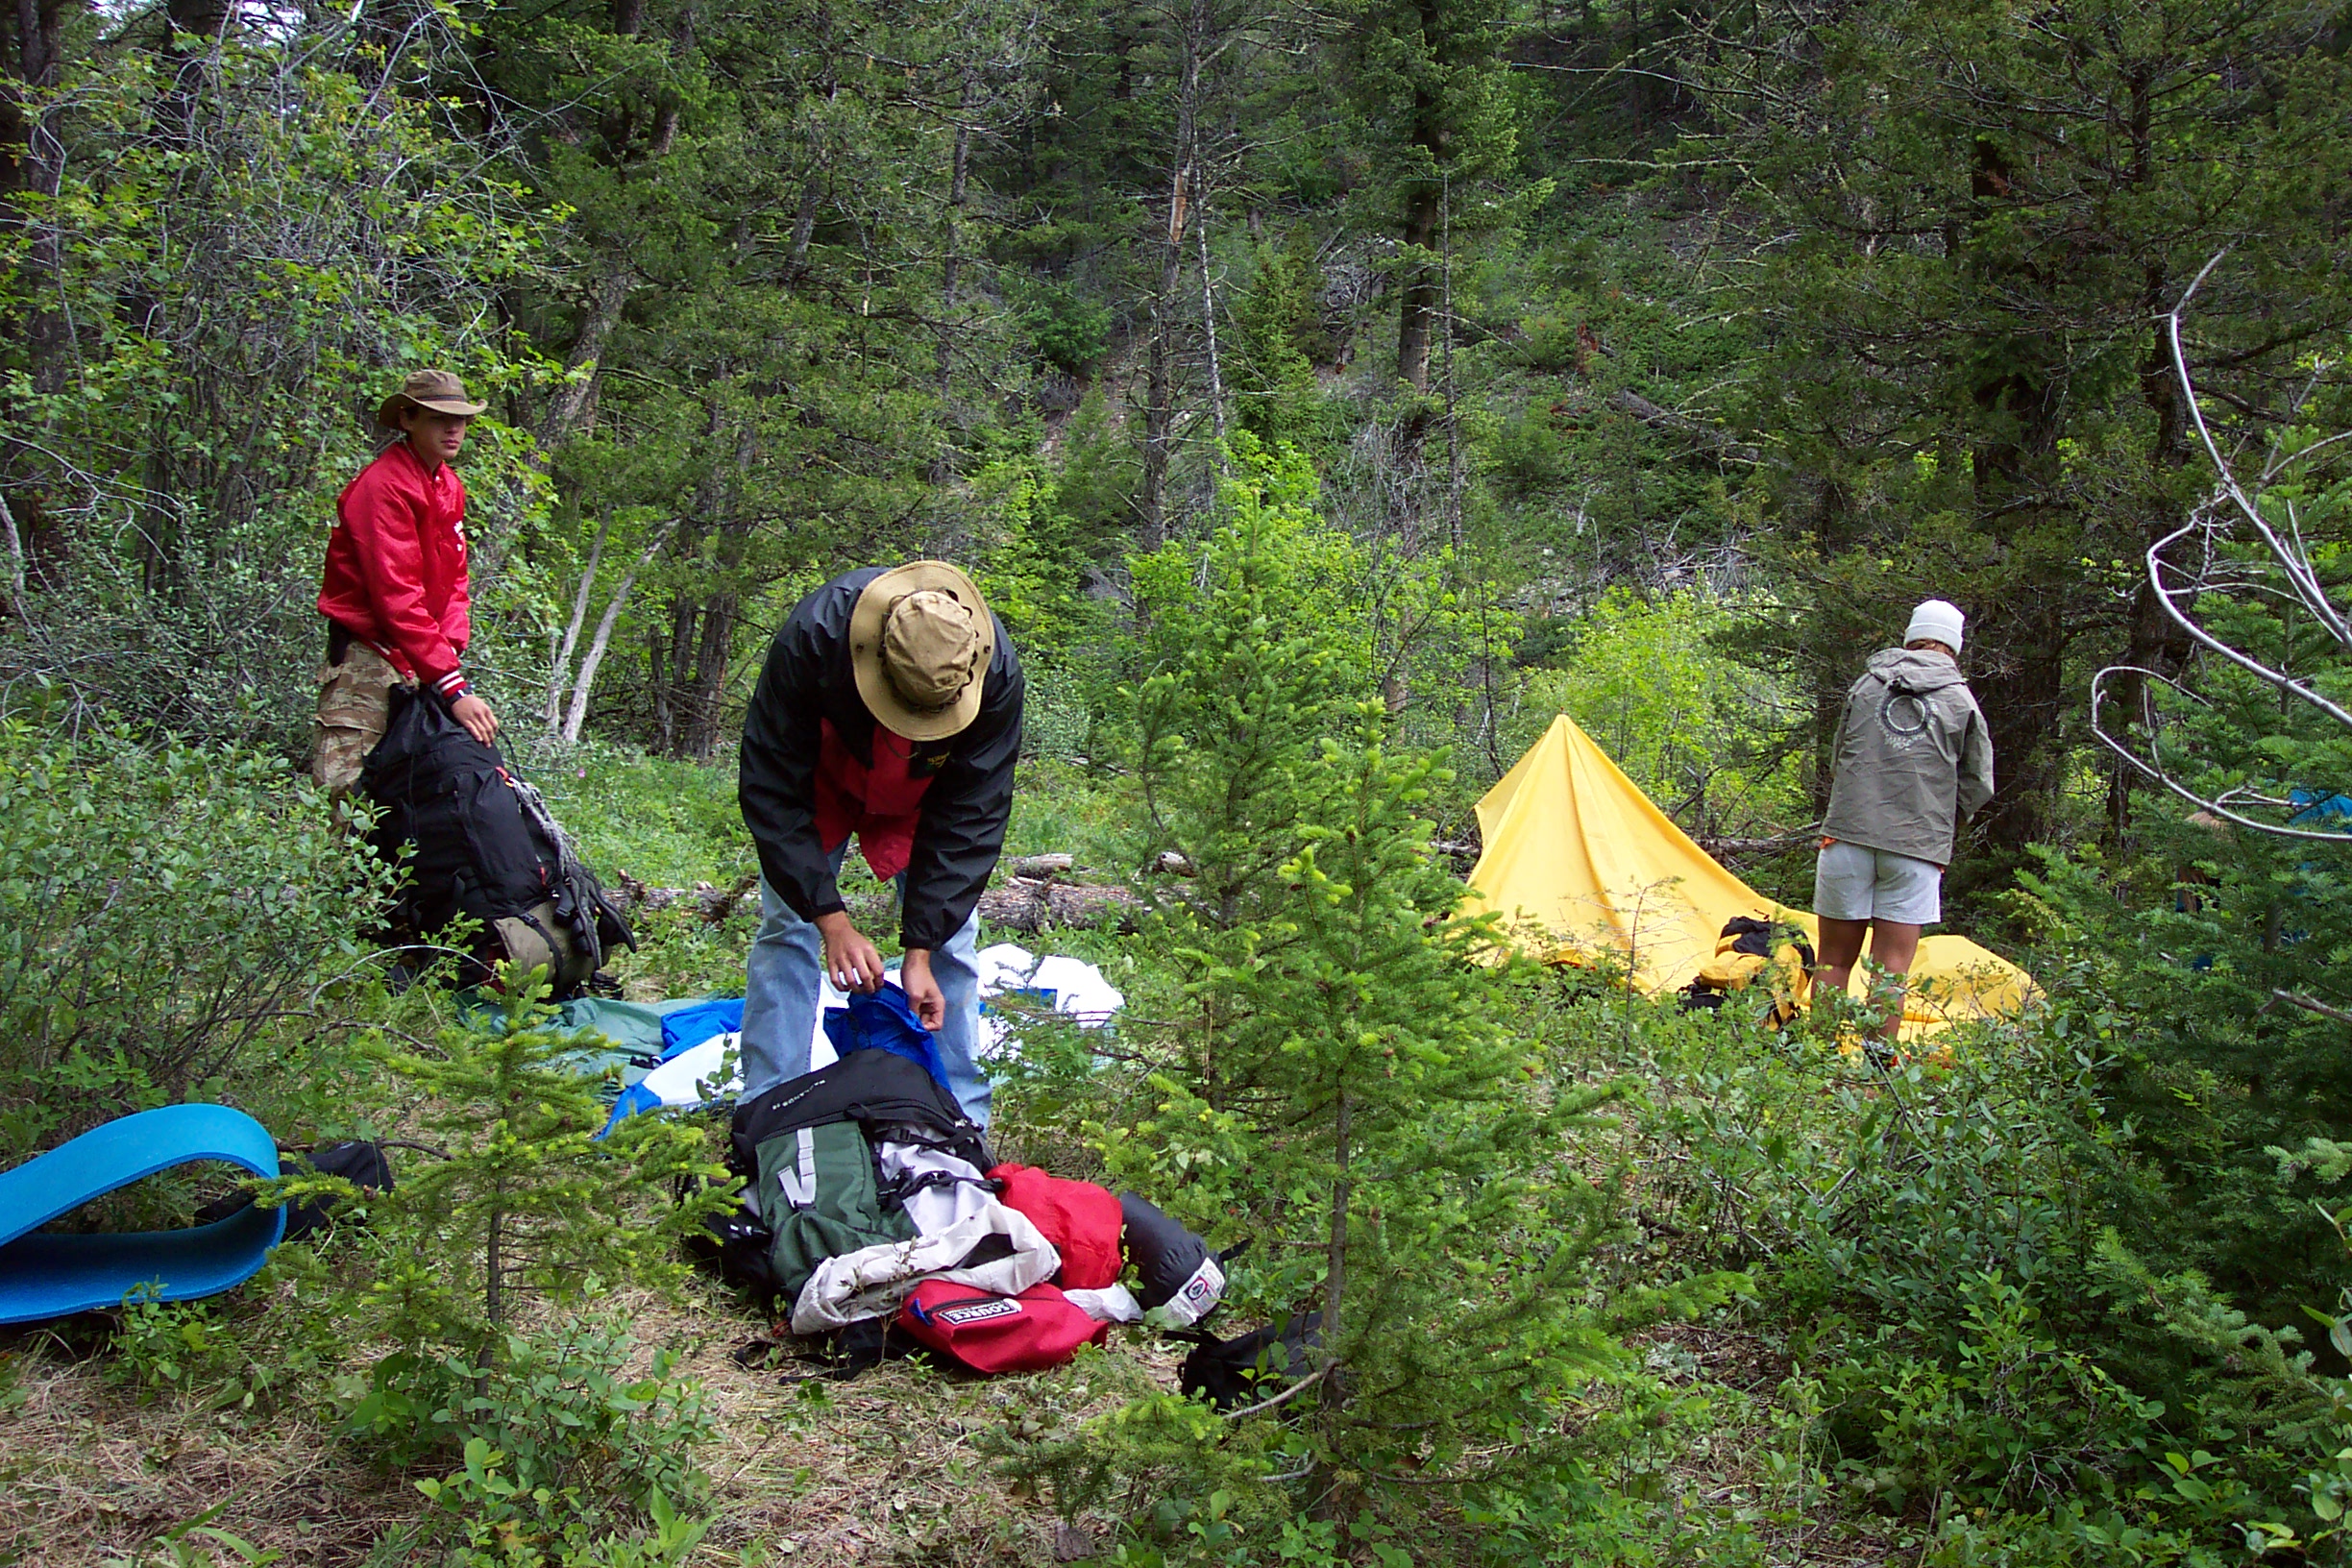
101 1461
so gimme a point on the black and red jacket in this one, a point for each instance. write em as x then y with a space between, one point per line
396 567
807 687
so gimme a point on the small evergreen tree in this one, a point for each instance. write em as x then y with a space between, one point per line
528 1202
1341 1081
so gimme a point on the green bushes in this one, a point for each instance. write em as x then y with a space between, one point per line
167 918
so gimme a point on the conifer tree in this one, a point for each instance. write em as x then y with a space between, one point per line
1342 1079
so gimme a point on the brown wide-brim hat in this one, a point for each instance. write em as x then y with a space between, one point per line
920 642
435 389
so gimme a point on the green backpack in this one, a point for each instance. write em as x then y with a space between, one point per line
821 1197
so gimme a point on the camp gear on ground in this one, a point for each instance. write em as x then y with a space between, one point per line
921 639
1071 987
686 1027
484 844
1112 1304
1914 757
1853 882
1230 1373
690 1074
438 390
883 1021
808 680
1749 948
1083 1221
994 1250
367 1166
821 1199
2322 809
1936 618
874 1088
1175 1265
1036 1329
807 1149
395 576
1584 868
47 1274
938 1191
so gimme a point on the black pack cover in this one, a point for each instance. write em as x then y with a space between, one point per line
365 1165
1257 1366
483 841
874 1088
1163 1253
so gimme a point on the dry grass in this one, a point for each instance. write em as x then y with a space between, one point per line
882 1470
892 1468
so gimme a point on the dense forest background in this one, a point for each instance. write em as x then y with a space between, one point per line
1326 396
1787 317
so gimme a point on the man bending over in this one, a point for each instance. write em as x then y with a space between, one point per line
890 709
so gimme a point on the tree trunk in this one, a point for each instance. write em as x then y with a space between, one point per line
951 271
33 164
559 668
603 639
575 394
1208 283
1160 373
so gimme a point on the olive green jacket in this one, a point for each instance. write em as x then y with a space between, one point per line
1914 757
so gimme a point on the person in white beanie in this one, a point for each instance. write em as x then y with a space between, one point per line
1914 760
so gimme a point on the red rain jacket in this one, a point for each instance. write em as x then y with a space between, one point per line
396 567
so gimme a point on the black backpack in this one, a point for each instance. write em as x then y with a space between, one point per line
1230 1373
482 842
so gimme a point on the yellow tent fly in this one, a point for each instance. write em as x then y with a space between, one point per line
1580 865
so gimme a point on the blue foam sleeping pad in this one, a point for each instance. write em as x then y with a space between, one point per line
48 1275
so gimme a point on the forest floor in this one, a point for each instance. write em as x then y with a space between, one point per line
893 1467
900 1466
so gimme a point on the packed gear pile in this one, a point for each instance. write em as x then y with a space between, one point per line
871 1199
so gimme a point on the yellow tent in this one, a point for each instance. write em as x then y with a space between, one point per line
1579 862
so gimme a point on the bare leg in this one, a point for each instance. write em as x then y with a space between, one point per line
1893 946
1841 949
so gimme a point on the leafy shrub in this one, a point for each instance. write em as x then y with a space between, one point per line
2012 1419
163 911
527 1198
273 1343
1692 725
559 1439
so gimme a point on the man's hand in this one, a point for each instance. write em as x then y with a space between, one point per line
924 994
850 960
474 714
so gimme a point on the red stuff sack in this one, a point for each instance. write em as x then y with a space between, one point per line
1082 1220
1028 1332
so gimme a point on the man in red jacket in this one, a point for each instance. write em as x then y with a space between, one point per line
394 593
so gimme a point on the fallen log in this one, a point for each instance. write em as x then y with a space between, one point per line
1031 907
1027 905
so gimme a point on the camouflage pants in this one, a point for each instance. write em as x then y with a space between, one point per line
353 705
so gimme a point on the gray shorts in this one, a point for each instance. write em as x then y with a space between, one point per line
1854 883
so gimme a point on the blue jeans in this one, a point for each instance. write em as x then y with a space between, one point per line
783 976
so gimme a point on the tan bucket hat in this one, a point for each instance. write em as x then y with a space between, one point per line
435 389
921 639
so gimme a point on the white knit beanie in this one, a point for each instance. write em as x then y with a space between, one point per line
1937 619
